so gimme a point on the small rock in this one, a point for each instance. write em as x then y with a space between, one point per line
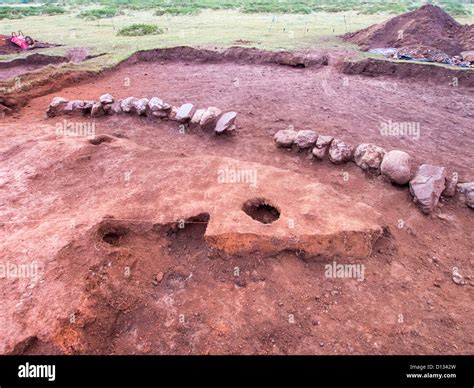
97 110
322 146
75 107
128 104
451 182
396 166
339 152
467 56
225 123
427 186
140 106
158 108
457 277
285 138
159 277
466 190
209 117
369 157
106 99
305 138
197 116
116 107
184 113
56 106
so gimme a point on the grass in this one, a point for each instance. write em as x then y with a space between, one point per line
221 27
140 29
100 13
21 12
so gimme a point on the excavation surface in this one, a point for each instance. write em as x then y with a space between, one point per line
119 275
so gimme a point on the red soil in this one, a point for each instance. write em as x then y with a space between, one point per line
278 305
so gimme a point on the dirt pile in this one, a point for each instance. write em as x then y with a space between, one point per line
429 25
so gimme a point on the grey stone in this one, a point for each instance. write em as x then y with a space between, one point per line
225 123
396 166
285 138
209 117
306 138
140 106
56 106
427 186
184 113
106 99
128 104
369 157
340 152
97 110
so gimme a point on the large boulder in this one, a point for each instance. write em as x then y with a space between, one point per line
396 166
226 122
56 106
340 152
306 138
427 186
321 147
285 138
369 157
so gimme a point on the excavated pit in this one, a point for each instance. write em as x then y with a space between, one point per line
261 210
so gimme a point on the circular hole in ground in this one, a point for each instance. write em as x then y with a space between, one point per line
112 234
261 210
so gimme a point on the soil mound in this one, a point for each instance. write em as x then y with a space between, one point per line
429 25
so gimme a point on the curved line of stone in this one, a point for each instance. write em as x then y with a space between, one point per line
427 185
207 118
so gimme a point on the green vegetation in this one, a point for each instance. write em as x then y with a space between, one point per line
20 12
140 29
101 13
187 10
111 8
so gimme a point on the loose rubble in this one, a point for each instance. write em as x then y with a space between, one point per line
211 118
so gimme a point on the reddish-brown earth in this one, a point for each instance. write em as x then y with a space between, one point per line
117 274
428 25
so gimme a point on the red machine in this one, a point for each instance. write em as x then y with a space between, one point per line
20 40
